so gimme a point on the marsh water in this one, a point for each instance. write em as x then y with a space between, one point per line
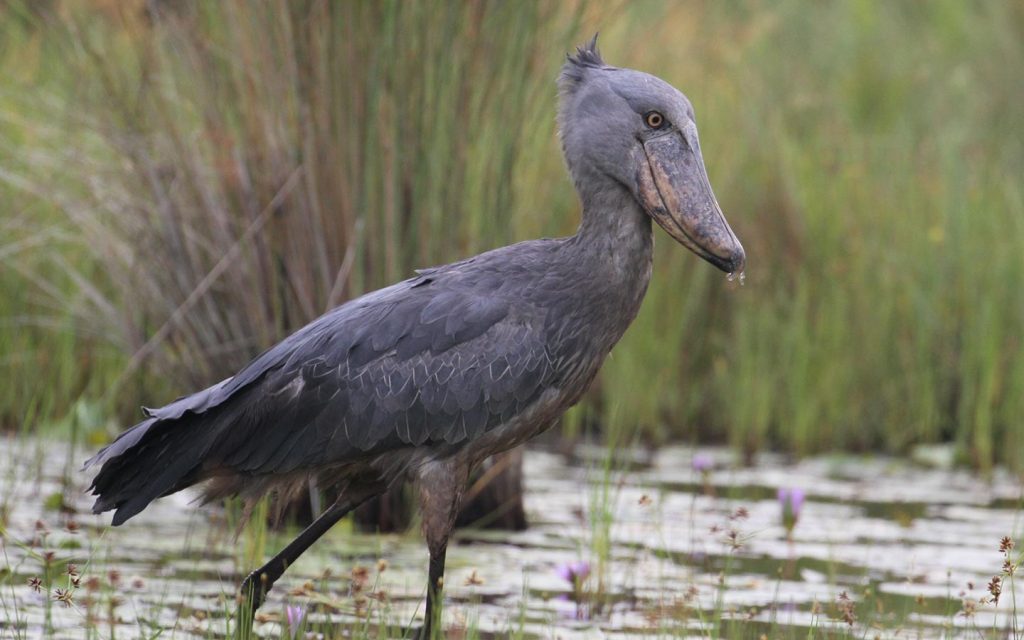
658 547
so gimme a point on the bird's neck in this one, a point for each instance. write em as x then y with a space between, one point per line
615 233
614 246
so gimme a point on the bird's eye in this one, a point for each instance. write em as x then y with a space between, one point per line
654 119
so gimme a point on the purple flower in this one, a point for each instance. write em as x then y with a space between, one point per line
295 614
702 463
792 502
573 572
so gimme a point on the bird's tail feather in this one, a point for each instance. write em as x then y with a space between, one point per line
152 459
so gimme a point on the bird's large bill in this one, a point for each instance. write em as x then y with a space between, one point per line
674 189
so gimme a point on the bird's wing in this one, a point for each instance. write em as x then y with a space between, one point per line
436 360
304 341
424 365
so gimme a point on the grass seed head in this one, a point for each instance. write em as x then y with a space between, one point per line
847 611
64 596
995 587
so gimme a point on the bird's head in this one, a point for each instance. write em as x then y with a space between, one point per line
640 131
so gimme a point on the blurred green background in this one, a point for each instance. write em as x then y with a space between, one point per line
183 183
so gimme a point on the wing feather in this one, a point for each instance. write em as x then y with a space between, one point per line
432 360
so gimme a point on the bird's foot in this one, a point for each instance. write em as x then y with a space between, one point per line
253 592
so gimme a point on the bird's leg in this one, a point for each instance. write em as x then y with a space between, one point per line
441 487
435 585
258 583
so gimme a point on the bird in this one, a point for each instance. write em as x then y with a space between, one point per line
424 379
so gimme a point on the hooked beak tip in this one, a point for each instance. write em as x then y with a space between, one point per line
738 261
734 263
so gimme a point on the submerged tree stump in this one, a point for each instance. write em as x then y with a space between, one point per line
493 500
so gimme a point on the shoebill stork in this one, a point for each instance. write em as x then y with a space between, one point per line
426 378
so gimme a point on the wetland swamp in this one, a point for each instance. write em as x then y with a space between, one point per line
671 544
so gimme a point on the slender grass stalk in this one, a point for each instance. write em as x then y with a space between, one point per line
862 151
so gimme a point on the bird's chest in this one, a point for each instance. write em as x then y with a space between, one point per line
537 418
592 320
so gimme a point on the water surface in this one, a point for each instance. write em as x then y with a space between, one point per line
671 552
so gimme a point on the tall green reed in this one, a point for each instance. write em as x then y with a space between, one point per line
46 362
235 171
863 151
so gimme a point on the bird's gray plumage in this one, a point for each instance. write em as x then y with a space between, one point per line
431 375
433 361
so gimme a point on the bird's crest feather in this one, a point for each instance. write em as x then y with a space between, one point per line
587 55
575 68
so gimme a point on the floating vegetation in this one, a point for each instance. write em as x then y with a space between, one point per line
678 559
